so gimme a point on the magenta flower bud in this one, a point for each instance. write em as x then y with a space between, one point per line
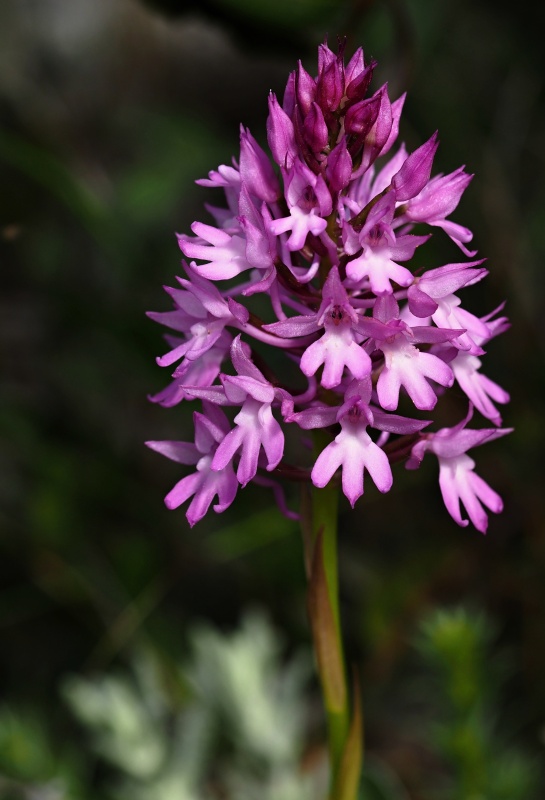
381 131
361 117
339 167
305 89
357 88
415 172
395 110
280 134
315 130
330 86
256 171
289 100
383 126
355 66
325 57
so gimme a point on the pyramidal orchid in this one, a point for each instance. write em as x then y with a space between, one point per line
324 228
328 227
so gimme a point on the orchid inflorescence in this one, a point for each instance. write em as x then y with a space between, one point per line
325 237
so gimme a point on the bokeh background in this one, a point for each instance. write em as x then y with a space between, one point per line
109 111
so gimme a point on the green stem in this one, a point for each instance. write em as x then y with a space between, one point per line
344 727
324 515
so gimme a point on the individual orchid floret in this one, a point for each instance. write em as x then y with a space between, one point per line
481 391
320 415
330 81
404 364
309 201
376 139
225 253
255 425
437 284
457 480
366 191
248 246
201 314
228 179
202 372
451 314
304 93
204 484
381 250
314 130
395 111
338 347
358 76
437 199
354 451
360 118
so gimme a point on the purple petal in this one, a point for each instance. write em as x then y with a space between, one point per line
327 463
393 423
183 490
182 452
415 172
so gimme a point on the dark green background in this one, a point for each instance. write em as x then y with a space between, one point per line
109 111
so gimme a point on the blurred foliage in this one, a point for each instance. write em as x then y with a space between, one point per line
469 731
108 113
231 722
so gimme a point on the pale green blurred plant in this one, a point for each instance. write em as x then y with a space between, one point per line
231 723
465 682
240 727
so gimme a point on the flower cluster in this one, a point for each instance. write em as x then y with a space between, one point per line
322 242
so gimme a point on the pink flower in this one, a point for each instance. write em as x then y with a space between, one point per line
482 391
404 363
354 451
204 484
338 347
458 482
309 202
255 427
437 199
201 313
382 249
311 258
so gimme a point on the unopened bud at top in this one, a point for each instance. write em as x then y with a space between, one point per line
280 134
